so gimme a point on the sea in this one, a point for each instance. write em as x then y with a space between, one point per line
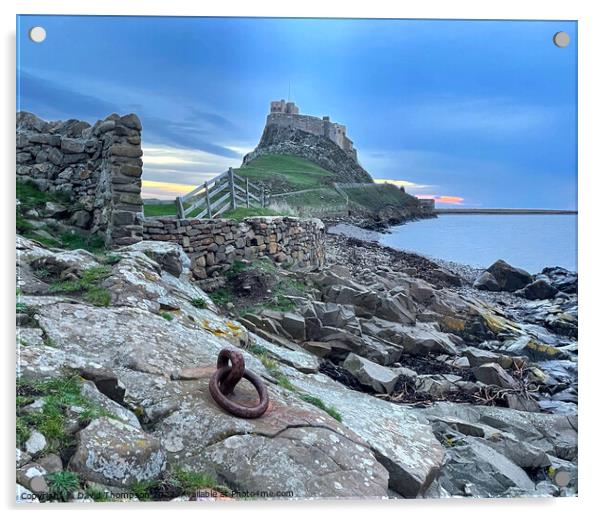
531 242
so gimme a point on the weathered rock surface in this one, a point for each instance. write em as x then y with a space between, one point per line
554 434
153 377
400 439
112 452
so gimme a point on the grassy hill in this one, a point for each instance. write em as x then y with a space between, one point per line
285 173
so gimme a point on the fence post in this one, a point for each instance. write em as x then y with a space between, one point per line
247 192
262 197
180 206
208 201
232 188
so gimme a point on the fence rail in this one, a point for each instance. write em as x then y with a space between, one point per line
236 191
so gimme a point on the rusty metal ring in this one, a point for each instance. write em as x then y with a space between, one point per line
225 374
237 369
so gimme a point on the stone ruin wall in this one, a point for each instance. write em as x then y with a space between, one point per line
99 167
213 245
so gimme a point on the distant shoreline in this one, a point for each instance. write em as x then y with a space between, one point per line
507 211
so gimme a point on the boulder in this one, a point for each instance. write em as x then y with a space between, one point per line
538 289
294 325
169 256
32 476
52 463
494 374
36 443
486 281
532 349
478 357
369 303
111 452
75 261
55 210
508 277
330 314
561 279
378 378
437 385
422 338
473 468
522 402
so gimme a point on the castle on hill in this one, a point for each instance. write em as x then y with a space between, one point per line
285 114
316 139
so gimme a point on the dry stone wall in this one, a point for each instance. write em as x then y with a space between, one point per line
213 245
99 167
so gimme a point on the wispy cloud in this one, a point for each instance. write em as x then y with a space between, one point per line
176 122
444 199
170 164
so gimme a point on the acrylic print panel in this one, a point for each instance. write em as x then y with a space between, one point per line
295 258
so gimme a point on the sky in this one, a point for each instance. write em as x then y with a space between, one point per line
472 113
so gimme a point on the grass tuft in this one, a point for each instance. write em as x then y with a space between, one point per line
317 402
221 296
190 481
88 285
199 303
62 484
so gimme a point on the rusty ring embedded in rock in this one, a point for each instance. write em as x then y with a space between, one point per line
225 378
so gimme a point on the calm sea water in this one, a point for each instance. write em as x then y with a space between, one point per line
531 242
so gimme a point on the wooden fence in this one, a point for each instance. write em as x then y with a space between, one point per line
225 191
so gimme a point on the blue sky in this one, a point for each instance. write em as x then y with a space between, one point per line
481 113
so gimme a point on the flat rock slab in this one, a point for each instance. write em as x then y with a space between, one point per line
294 447
401 441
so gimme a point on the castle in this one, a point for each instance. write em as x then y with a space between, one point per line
285 114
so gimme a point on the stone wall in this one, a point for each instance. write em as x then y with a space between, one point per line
213 245
99 167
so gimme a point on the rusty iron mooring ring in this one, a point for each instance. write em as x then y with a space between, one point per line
225 378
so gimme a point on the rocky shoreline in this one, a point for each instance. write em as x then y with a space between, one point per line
389 375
